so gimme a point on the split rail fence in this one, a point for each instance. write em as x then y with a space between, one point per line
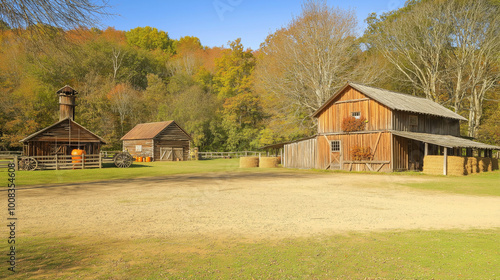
209 155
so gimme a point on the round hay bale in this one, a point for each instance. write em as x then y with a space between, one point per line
268 162
248 162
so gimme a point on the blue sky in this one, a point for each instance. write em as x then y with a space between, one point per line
216 22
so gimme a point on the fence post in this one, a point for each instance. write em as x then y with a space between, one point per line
16 163
100 160
83 160
57 162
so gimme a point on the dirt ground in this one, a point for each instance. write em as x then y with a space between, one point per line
263 205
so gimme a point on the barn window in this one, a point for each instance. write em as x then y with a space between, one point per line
335 145
138 148
413 120
356 115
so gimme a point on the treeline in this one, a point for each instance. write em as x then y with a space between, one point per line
238 99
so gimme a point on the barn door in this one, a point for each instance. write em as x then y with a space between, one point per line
335 155
166 153
178 154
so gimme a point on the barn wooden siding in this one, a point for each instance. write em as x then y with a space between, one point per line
426 124
159 140
379 117
146 147
400 153
61 139
379 144
301 154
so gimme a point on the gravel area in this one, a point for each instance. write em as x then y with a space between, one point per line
260 205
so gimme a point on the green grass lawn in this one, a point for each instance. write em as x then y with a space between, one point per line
472 254
487 183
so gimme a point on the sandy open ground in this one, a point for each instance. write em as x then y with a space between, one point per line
263 205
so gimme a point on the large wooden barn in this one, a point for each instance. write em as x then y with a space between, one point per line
396 132
164 141
65 135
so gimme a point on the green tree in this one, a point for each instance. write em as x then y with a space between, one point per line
150 38
233 70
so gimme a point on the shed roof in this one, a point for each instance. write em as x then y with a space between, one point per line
444 140
150 130
397 101
58 123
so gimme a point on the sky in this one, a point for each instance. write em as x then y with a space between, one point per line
216 22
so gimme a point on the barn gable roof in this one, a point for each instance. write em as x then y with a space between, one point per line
150 130
397 101
48 128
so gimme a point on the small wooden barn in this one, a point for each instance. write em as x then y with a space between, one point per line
65 135
395 132
163 141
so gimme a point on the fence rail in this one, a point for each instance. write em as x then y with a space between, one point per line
56 162
207 155
7 157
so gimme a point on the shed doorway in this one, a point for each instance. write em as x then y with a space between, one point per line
171 154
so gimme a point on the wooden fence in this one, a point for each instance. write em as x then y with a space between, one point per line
7 157
58 162
208 155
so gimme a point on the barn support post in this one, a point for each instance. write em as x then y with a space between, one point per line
16 163
445 161
426 150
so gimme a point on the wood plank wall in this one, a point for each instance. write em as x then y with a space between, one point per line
49 148
300 154
426 124
147 147
348 141
379 117
400 161
63 133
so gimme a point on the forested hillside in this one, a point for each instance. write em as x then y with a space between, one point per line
233 98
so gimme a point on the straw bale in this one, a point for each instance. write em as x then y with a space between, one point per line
455 165
483 164
472 166
268 162
247 162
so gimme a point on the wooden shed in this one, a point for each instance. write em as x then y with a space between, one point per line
397 131
65 135
164 141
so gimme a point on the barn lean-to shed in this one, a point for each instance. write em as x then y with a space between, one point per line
398 131
164 141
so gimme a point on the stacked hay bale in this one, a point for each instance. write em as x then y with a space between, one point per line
455 165
269 162
433 165
248 162
471 165
484 164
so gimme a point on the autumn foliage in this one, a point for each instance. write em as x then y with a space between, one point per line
351 124
360 153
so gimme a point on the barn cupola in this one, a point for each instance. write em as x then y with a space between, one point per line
67 96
